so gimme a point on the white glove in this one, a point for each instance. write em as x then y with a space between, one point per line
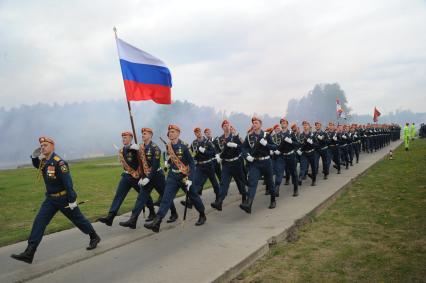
41 156
263 142
250 158
218 158
143 182
277 152
289 140
188 184
299 152
335 138
310 141
134 147
271 152
344 136
36 153
72 205
232 144
166 164
202 149
320 137
355 136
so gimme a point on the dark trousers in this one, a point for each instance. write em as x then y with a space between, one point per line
256 169
48 209
158 183
335 153
174 182
324 154
291 168
344 154
278 166
305 160
126 183
202 173
233 169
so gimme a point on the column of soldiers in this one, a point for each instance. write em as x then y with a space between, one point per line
270 155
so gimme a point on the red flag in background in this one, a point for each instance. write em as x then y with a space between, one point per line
376 115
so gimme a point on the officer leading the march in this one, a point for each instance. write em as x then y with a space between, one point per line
60 196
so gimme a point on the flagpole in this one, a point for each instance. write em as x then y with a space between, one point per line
128 102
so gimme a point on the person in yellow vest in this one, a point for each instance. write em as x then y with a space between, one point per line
407 136
413 131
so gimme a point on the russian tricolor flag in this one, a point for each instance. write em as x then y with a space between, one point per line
145 77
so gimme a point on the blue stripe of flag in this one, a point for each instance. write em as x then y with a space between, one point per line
148 74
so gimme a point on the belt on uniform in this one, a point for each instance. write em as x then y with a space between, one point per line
232 159
262 158
204 162
325 147
309 151
61 193
288 153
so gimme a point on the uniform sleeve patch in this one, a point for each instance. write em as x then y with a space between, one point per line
56 158
64 168
61 163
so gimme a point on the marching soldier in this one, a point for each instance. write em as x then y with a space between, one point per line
356 142
180 176
308 144
128 156
343 146
323 151
288 147
334 145
152 176
60 196
209 137
232 166
278 164
204 153
256 147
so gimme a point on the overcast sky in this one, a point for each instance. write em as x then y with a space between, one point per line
249 56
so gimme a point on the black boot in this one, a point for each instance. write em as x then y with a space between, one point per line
107 220
131 223
173 217
267 192
287 181
273 204
314 179
151 215
94 241
295 191
201 219
26 256
217 204
154 225
325 176
189 206
243 198
300 181
246 206
338 171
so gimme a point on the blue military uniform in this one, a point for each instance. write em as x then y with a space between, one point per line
156 181
129 179
288 151
59 194
176 180
334 146
261 165
322 152
308 156
278 164
344 148
204 168
232 167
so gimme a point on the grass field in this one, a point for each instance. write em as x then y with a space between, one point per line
21 195
375 232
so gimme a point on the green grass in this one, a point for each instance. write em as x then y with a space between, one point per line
375 232
21 195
